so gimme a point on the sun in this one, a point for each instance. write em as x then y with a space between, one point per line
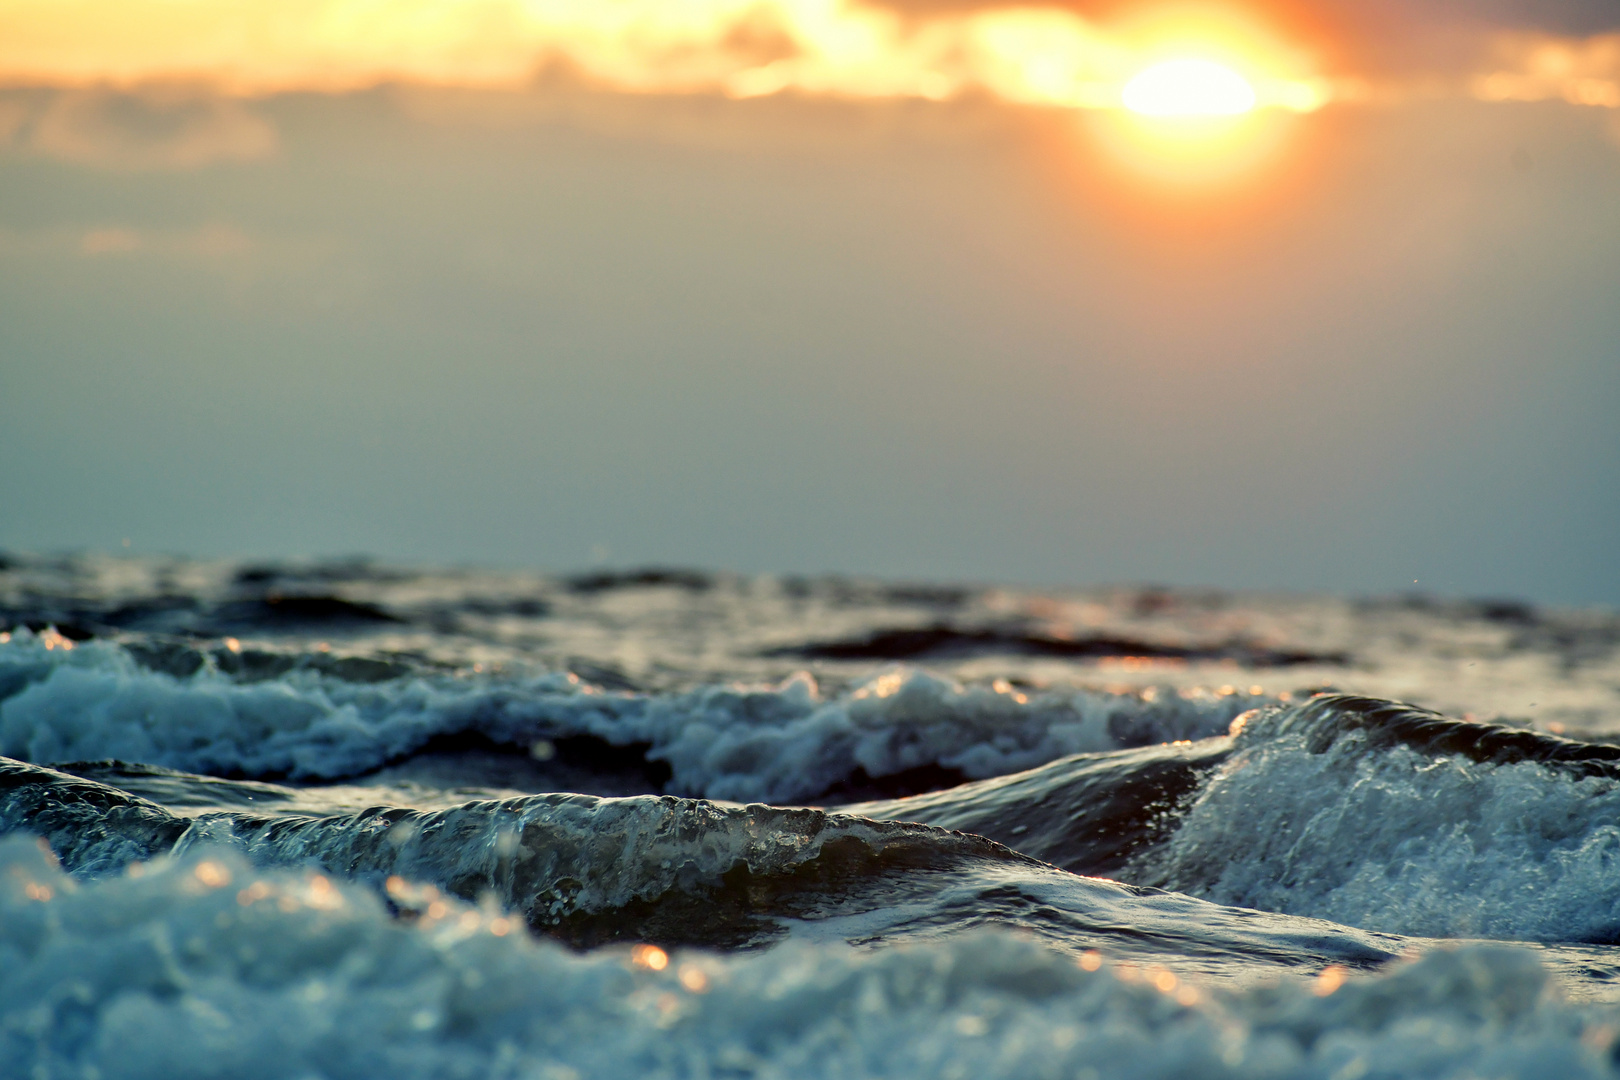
1188 87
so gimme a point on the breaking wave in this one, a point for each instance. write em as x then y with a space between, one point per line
590 871
778 743
1386 817
1364 812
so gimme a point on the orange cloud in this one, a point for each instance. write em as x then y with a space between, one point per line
1538 67
1039 53
1044 55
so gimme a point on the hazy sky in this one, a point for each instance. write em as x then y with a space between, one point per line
560 322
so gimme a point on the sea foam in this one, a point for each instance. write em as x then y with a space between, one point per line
1396 839
779 743
204 967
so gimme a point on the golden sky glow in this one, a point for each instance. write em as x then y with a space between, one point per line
1190 90
742 48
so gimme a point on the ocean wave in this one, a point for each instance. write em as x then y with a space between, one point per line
1361 811
206 966
1090 813
582 867
1324 719
590 871
780 743
1378 815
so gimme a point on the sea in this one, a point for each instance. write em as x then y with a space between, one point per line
313 820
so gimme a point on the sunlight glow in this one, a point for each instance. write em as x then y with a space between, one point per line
1034 55
1189 87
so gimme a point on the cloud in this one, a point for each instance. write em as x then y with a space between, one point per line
1538 67
1575 18
214 241
1032 53
13 115
1047 52
111 241
153 129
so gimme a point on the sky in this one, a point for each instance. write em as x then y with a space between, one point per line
804 286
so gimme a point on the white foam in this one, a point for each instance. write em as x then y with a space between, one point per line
205 967
776 743
1402 842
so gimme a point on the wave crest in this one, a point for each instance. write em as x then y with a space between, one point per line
779 743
